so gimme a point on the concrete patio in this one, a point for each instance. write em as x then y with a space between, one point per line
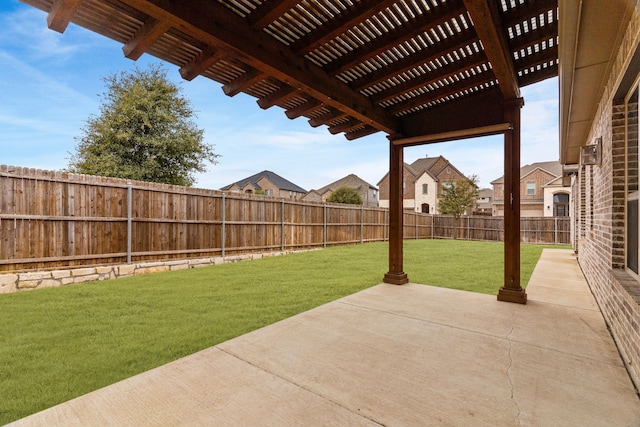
396 356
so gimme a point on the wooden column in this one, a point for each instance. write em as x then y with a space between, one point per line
512 291
395 275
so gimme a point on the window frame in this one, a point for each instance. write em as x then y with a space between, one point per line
633 94
531 188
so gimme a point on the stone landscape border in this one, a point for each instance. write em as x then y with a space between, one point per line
16 282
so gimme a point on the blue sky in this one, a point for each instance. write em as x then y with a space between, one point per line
50 84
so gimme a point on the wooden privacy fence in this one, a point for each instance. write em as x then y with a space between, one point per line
53 220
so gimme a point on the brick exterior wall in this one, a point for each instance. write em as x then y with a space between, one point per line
600 215
410 191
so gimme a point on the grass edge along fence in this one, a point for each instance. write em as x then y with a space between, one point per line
53 219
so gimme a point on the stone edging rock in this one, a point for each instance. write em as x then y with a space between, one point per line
16 282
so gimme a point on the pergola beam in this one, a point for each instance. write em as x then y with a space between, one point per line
61 13
246 80
486 21
207 57
213 24
150 31
269 11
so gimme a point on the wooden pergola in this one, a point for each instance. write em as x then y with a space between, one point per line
421 71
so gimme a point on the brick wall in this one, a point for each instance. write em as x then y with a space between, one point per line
539 178
600 216
409 180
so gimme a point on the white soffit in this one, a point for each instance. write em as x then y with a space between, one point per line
590 32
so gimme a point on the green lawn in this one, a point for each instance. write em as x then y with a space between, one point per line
59 343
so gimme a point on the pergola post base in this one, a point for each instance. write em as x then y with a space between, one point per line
512 295
396 278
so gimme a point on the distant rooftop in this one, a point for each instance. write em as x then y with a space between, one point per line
276 179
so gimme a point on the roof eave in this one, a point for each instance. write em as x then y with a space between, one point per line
589 36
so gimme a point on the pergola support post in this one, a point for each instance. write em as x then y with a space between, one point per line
395 276
512 291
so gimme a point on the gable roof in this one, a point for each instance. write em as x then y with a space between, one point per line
351 180
276 179
425 165
553 167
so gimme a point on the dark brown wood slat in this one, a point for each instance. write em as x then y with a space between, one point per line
243 82
269 11
486 20
201 63
282 94
327 118
365 131
539 75
340 24
437 16
448 90
303 109
531 38
213 24
448 46
61 13
150 31
542 56
445 72
527 11
345 127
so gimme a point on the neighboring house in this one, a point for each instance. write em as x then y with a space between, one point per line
422 184
267 183
541 191
484 204
368 193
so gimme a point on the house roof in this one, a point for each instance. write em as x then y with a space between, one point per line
485 193
403 67
553 167
273 177
351 180
425 165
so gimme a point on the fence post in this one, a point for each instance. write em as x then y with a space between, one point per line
555 230
361 224
415 225
224 217
384 226
282 227
129 219
468 228
324 226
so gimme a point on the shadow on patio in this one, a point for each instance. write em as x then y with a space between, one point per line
394 355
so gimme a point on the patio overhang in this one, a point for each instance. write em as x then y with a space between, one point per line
590 33
421 71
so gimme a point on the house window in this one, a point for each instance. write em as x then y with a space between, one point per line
404 187
561 204
531 188
425 188
269 192
425 208
632 217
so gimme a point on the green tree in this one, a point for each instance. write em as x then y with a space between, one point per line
144 132
458 196
346 195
